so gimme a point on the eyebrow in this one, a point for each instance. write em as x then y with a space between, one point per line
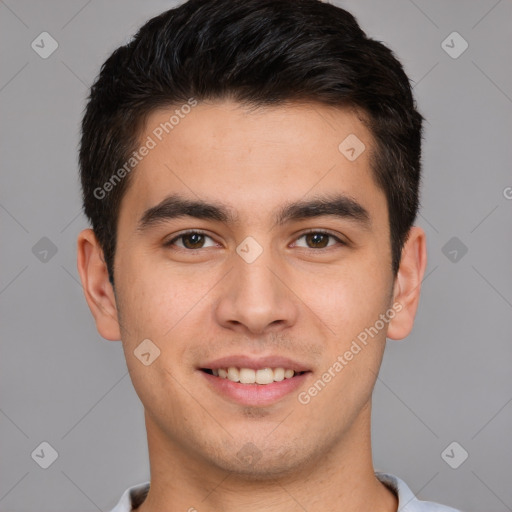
176 206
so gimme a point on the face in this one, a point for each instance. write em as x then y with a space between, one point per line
255 283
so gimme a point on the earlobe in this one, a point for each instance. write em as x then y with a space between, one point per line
408 284
98 290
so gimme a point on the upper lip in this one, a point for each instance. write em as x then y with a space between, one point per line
255 363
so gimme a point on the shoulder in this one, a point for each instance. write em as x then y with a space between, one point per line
132 498
407 501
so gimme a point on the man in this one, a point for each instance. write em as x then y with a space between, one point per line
251 172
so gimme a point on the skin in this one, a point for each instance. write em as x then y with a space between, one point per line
294 300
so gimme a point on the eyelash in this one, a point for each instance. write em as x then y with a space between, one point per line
170 243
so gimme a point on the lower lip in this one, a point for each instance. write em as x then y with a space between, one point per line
255 394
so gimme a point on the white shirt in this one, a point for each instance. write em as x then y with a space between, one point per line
407 502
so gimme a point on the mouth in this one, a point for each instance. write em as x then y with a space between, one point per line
249 381
260 376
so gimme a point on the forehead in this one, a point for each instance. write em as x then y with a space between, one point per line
253 160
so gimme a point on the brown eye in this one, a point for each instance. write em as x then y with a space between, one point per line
190 240
193 240
319 239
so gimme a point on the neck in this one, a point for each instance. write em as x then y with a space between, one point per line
341 478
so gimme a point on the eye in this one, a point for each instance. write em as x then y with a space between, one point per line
191 240
319 239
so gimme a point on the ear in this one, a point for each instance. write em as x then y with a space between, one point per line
98 290
408 283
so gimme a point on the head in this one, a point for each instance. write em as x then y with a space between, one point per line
250 106
256 53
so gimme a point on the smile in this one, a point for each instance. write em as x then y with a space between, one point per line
262 376
254 388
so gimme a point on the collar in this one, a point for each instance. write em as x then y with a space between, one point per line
407 501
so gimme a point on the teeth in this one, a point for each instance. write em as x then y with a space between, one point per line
233 374
265 376
250 376
279 374
247 376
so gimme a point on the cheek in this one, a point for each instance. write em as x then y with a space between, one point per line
162 393
156 319
145 290
163 303
350 307
349 299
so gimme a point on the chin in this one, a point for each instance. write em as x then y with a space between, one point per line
253 464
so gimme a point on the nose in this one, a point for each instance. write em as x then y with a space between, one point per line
257 297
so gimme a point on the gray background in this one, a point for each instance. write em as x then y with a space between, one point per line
449 381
